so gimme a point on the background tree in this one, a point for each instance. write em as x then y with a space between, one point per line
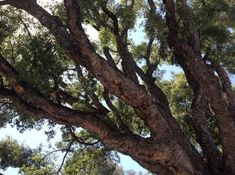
111 87
78 158
29 161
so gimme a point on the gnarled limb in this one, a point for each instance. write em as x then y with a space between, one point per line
124 142
192 61
112 79
109 57
163 147
115 111
128 63
204 137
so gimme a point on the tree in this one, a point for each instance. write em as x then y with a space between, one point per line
29 161
91 159
115 92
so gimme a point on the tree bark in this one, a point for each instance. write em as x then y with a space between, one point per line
166 151
199 73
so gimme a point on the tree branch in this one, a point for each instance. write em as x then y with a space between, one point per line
158 168
113 17
227 86
115 111
128 63
79 140
65 155
31 94
201 128
38 101
60 114
117 83
109 57
165 148
22 105
191 61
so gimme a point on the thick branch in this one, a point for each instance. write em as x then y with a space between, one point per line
64 115
161 99
167 150
24 106
109 57
112 79
31 94
190 59
227 86
37 100
158 168
128 63
114 139
171 19
113 17
204 137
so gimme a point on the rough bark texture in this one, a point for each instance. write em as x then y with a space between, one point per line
166 151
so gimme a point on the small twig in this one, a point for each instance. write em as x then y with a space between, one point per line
58 150
78 140
65 155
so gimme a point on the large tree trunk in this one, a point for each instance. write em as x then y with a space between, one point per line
167 151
